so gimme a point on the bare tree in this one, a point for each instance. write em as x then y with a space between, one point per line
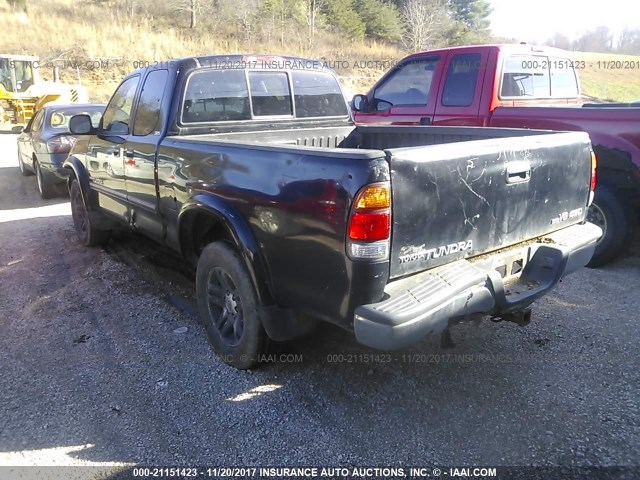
313 9
426 24
599 40
560 41
245 18
193 7
629 42
20 5
131 8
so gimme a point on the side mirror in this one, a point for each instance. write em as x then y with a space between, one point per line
80 124
360 103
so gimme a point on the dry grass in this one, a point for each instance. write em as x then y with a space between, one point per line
56 29
65 29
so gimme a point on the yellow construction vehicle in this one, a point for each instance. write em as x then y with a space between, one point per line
23 92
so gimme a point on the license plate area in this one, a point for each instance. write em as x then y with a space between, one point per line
509 264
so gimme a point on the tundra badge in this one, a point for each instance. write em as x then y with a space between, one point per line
420 253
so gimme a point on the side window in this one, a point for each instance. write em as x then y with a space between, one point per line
148 111
564 83
409 84
270 94
117 115
460 84
216 96
526 76
38 120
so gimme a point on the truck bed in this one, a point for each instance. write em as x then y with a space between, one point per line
497 188
364 137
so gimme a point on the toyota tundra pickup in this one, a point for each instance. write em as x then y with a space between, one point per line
251 168
520 86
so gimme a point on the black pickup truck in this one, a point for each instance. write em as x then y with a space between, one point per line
252 169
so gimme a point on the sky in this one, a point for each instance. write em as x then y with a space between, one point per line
539 20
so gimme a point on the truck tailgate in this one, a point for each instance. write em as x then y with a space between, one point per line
461 200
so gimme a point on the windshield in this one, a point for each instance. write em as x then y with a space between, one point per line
5 75
16 75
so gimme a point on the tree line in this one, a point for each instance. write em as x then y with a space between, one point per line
600 40
412 24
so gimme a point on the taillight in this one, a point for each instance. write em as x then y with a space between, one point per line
594 177
61 144
369 228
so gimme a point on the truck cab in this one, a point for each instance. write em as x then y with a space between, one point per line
464 85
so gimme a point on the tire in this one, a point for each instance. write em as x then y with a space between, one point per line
88 234
228 307
23 169
46 189
617 221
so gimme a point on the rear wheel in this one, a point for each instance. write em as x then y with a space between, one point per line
88 234
45 188
616 219
228 307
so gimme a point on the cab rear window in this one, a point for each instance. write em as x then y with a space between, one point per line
216 95
270 94
317 94
538 76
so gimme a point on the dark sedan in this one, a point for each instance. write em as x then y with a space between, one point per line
45 143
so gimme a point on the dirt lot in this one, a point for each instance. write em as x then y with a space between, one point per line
93 373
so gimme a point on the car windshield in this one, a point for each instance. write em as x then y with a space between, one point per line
59 119
18 71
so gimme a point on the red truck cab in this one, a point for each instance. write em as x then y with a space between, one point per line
519 86
464 85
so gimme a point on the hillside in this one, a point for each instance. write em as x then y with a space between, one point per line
94 36
95 44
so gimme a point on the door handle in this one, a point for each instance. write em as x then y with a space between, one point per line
116 152
519 171
128 152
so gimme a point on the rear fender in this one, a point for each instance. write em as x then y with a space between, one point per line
616 143
240 234
89 197
617 169
79 173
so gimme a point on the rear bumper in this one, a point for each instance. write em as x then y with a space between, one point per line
427 302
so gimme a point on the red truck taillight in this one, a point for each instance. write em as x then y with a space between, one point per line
594 178
369 228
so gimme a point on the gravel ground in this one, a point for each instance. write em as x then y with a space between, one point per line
93 373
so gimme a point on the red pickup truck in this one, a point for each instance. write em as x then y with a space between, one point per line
520 86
